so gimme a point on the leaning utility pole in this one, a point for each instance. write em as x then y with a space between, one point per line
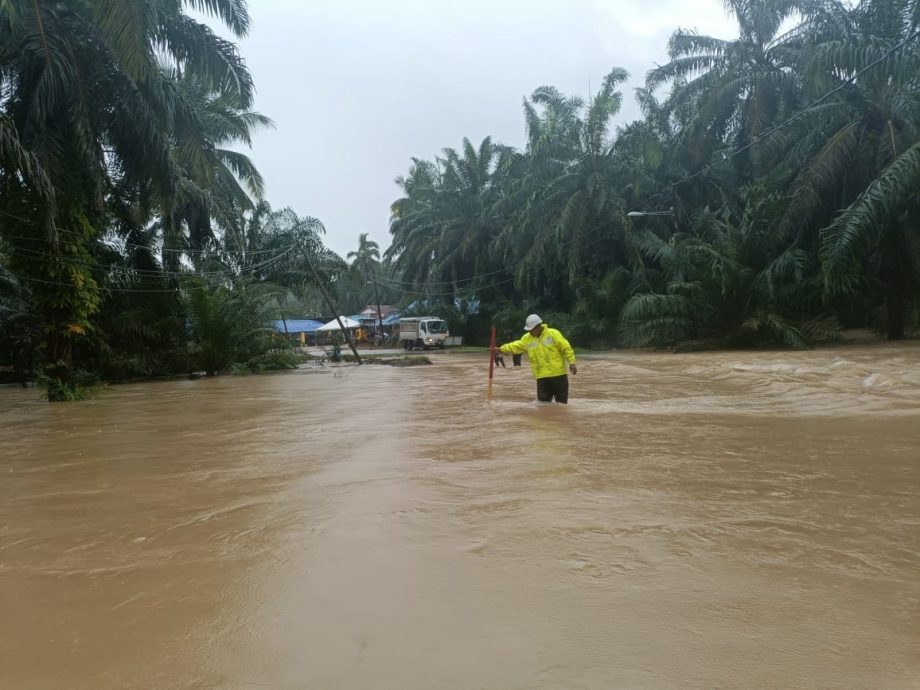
328 299
379 313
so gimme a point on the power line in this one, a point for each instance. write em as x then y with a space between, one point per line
153 274
425 293
795 116
811 106
107 289
108 240
395 282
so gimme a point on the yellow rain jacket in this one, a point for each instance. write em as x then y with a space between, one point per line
548 353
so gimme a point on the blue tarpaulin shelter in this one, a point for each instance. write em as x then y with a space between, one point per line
307 326
301 331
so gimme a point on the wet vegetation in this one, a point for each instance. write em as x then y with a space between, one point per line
772 185
399 361
767 196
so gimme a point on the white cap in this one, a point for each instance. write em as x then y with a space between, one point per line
532 322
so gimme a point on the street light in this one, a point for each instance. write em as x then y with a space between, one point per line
642 214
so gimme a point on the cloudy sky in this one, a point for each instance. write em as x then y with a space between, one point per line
357 87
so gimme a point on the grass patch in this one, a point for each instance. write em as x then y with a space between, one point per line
275 360
404 361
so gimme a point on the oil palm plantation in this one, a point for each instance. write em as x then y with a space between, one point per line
214 181
414 221
446 227
367 261
727 282
93 103
801 136
569 202
19 329
366 255
864 159
227 325
728 92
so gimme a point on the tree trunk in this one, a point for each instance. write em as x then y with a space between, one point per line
377 297
58 356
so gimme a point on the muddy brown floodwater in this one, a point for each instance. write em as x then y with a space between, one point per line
697 521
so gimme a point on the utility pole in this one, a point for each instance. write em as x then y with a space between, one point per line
379 313
328 299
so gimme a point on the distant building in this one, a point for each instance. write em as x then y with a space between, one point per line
370 322
301 331
370 311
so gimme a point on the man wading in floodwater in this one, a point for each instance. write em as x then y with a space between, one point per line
548 350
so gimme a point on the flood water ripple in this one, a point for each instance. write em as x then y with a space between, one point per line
734 519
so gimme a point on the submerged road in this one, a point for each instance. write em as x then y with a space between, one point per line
706 520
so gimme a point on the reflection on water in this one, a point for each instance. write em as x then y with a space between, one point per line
705 520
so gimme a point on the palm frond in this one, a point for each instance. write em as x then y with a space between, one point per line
234 13
861 223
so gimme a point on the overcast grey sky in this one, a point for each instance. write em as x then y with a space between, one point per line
357 87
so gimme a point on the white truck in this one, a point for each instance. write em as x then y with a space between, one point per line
423 332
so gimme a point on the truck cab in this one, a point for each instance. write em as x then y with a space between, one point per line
423 332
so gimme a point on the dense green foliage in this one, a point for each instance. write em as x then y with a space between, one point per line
783 168
130 244
776 179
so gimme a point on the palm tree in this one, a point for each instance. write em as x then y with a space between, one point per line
81 140
860 152
735 89
727 282
446 227
214 182
569 210
227 325
19 328
414 221
16 159
367 255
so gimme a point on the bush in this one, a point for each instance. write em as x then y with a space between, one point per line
275 360
83 386
334 351
731 283
226 325
405 361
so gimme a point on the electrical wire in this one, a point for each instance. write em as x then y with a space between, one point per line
113 289
152 274
425 293
811 106
108 241
395 284
107 289
792 118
